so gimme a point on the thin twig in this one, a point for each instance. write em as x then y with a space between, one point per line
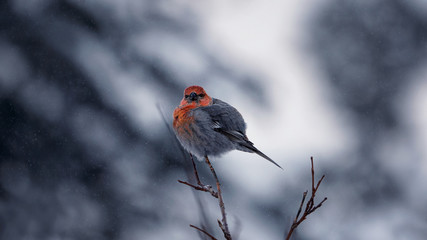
204 231
187 171
223 223
195 170
304 195
201 187
310 207
217 194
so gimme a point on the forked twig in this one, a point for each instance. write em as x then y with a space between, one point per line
310 207
187 171
203 188
223 223
204 231
217 194
200 187
301 215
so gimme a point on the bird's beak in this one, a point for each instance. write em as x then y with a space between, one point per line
193 96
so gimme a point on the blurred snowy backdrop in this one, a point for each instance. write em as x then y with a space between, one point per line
84 153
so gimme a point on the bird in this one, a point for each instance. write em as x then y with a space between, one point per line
207 126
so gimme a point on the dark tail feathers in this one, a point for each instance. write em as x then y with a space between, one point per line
249 145
266 157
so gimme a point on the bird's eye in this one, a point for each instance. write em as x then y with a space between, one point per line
187 96
201 95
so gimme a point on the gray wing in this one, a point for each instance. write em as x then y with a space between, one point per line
225 117
226 120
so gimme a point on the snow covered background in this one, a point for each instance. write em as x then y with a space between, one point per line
84 153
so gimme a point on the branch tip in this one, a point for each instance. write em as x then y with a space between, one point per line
310 206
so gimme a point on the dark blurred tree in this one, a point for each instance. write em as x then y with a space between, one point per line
369 49
73 163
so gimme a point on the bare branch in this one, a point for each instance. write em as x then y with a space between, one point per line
203 188
304 195
310 207
301 215
223 223
217 194
204 231
195 170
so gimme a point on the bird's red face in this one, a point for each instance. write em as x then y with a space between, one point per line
195 96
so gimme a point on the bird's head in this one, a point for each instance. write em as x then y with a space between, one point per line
195 95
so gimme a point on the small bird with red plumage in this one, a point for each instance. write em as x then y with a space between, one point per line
207 126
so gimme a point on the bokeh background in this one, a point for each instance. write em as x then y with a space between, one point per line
84 153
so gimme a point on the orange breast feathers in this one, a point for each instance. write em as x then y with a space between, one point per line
181 115
182 120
